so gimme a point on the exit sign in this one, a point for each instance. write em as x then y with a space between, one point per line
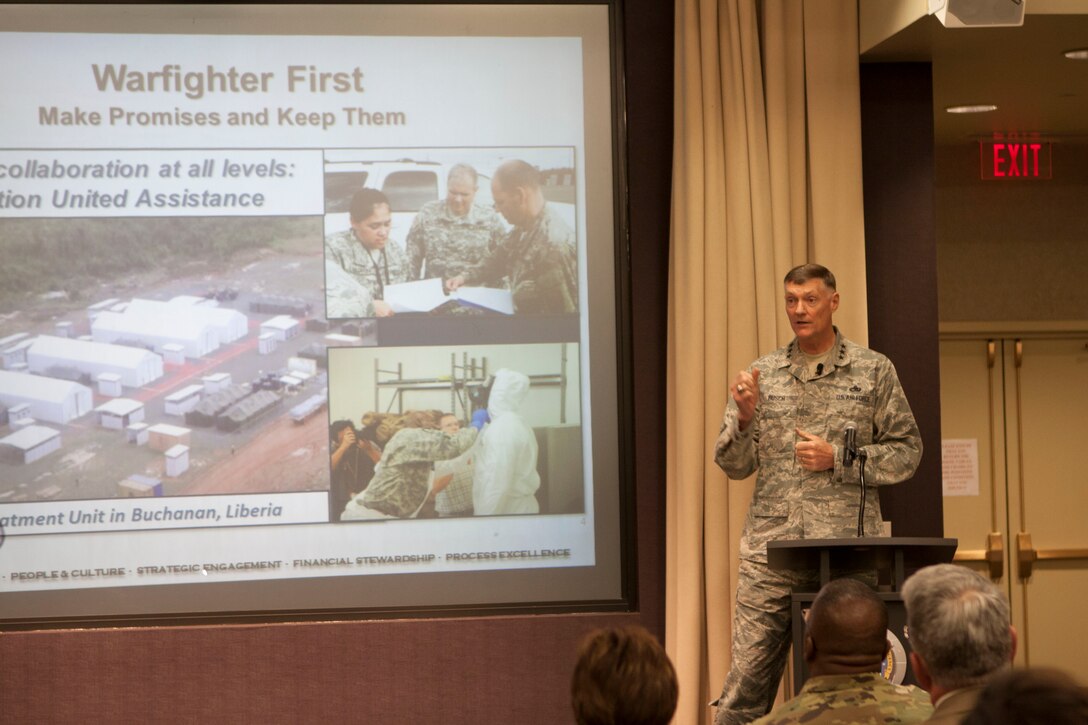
1012 159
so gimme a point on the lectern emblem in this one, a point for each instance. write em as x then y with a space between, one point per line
894 666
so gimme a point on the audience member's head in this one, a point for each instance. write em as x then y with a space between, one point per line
623 677
1041 696
958 626
847 630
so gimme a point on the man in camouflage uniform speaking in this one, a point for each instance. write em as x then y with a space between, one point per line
453 234
782 413
538 258
846 641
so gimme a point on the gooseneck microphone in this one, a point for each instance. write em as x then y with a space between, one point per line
850 453
850 445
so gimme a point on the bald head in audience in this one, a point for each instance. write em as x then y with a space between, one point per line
846 630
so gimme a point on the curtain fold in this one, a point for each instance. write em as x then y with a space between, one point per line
833 101
743 212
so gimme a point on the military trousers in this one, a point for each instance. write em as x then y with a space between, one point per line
761 637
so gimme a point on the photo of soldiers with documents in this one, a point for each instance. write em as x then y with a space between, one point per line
450 231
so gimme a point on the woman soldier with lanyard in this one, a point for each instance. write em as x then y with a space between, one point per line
365 251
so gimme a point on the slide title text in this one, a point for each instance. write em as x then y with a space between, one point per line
196 84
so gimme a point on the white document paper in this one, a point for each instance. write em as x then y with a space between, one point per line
426 294
489 298
419 296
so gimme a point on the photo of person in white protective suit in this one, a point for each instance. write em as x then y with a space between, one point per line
506 479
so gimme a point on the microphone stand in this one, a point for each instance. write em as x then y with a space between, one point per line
861 508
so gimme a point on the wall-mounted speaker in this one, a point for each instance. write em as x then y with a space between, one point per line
978 13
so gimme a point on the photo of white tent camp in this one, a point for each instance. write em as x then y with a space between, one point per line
136 366
228 323
28 444
119 413
50 399
173 325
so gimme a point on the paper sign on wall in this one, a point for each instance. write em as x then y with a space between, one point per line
959 466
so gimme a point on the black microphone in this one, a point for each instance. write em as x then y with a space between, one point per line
819 368
850 453
850 445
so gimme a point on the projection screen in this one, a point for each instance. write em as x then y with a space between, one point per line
309 311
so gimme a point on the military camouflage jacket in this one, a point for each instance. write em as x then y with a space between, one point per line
858 386
540 262
372 270
451 244
456 498
400 481
344 296
850 700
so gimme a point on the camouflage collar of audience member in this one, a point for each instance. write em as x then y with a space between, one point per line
827 683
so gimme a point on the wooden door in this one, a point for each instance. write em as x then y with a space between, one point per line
1024 399
1048 494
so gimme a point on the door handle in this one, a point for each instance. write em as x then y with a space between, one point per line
993 554
1057 554
1027 555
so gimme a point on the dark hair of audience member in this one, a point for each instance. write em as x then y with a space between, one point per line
846 629
623 677
1039 696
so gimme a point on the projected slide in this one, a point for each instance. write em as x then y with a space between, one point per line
290 308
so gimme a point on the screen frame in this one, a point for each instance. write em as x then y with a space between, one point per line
616 313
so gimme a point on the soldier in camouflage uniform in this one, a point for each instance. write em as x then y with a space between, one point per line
344 296
538 258
456 498
366 252
400 484
454 234
845 643
780 415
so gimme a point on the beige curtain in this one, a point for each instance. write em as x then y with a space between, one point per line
766 175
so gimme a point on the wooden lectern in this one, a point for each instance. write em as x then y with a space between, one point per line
892 559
